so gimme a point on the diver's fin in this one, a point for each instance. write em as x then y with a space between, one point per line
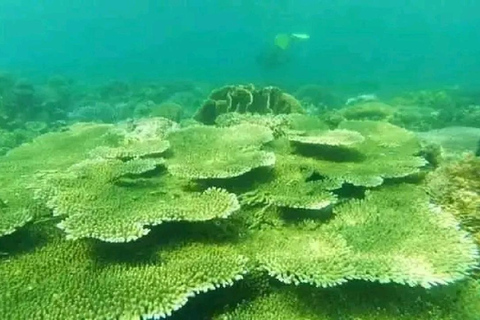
284 40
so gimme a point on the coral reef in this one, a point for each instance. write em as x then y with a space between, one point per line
279 213
52 151
67 280
201 152
121 208
169 110
360 302
434 109
456 187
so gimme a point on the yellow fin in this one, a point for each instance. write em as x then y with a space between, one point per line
282 40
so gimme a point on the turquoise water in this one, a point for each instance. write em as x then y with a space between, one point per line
239 160
389 42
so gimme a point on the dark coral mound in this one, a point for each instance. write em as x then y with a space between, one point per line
247 99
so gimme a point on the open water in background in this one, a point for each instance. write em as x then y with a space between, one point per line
412 42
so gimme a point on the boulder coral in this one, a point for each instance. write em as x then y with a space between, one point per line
247 99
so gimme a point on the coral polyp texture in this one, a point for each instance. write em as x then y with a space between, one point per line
52 151
201 152
279 214
110 201
359 302
424 247
386 152
73 280
456 187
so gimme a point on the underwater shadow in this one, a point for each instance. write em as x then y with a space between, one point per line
165 235
330 153
30 237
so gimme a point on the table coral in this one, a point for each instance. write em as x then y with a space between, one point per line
201 152
360 302
291 186
387 152
275 197
109 209
424 247
52 151
78 280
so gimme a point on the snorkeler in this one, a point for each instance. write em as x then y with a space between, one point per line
278 54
